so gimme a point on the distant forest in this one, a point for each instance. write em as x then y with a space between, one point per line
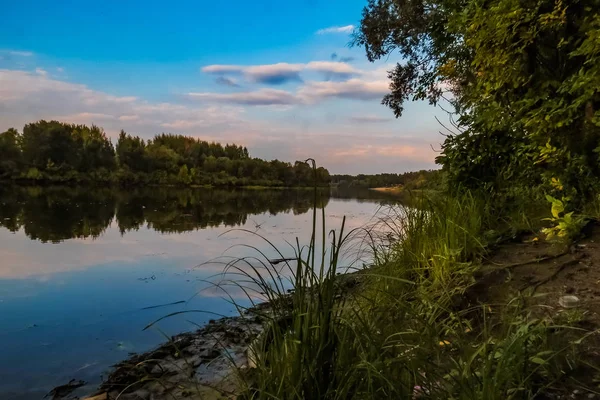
409 180
56 152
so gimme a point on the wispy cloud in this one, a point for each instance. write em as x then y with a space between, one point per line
275 74
269 74
262 97
369 87
333 69
19 53
356 89
41 71
280 73
30 96
268 133
222 80
336 29
223 69
85 117
335 57
129 117
369 119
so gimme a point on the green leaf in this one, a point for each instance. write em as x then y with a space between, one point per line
537 360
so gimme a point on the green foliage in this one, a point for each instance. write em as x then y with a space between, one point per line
565 227
58 152
430 179
10 153
400 334
523 78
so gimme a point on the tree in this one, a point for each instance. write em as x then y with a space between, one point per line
131 152
426 37
50 141
59 152
523 78
162 158
10 153
97 152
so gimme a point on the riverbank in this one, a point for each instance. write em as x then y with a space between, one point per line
391 189
206 364
448 309
124 185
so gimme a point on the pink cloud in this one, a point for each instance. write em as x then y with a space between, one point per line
356 89
260 97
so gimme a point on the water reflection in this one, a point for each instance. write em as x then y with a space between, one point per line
55 214
80 267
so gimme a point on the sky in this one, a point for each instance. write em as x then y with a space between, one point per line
277 77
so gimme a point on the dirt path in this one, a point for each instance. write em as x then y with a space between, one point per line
533 266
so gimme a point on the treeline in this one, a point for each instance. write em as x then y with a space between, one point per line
58 213
56 152
409 180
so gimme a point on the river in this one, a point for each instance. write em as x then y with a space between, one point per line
84 270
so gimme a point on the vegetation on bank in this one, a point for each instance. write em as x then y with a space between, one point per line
520 162
424 179
409 327
56 152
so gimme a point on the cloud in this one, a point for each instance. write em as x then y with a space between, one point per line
85 117
223 69
262 97
333 69
275 74
342 82
346 59
269 74
28 96
41 71
18 53
129 117
267 132
310 93
353 152
386 151
60 69
369 119
222 80
336 29
280 73
355 89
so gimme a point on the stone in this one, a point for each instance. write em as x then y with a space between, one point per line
568 301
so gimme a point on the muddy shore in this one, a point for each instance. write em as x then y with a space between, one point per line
191 365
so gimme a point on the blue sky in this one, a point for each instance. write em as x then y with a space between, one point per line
278 77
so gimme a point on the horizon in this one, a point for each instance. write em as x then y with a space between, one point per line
203 70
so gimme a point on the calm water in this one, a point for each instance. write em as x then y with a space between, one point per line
81 270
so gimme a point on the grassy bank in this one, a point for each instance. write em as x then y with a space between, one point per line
441 312
413 327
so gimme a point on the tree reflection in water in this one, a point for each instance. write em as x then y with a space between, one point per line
55 214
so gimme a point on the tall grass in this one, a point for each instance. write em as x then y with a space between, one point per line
406 332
